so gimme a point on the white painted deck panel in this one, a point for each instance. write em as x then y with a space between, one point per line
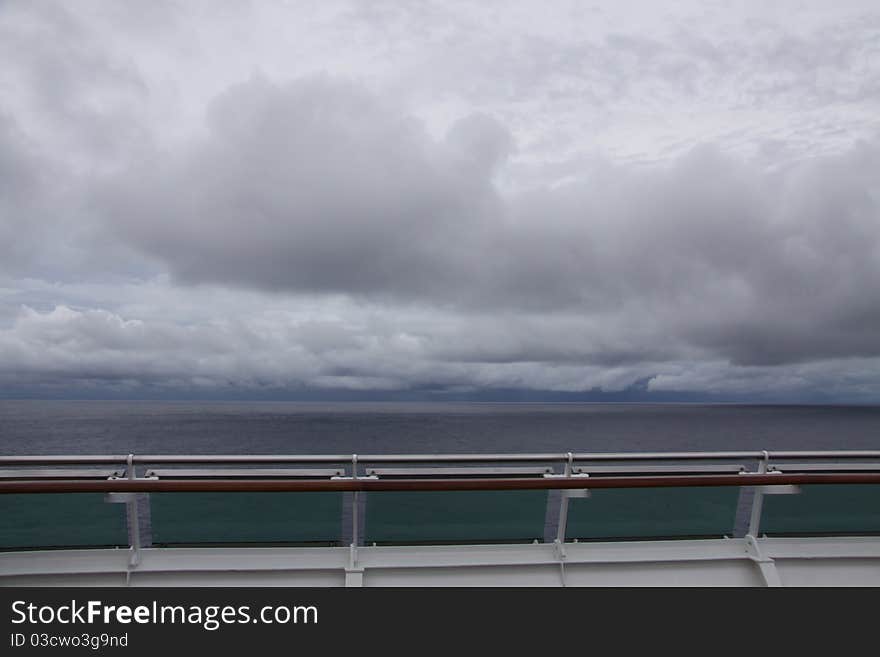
843 561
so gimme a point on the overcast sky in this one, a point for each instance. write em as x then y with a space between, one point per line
253 197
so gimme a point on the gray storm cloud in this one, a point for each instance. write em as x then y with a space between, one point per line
469 196
316 186
319 187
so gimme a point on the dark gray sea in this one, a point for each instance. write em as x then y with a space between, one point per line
145 427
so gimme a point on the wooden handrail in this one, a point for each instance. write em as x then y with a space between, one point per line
366 485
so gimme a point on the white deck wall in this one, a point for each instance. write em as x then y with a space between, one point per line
845 561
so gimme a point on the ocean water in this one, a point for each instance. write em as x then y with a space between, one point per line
144 427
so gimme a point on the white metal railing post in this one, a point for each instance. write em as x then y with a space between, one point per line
354 574
131 512
563 504
355 501
766 565
758 499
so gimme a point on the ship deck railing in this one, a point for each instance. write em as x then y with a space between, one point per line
570 506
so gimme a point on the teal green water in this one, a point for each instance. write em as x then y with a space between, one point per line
653 513
457 516
213 518
825 509
61 520
86 520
